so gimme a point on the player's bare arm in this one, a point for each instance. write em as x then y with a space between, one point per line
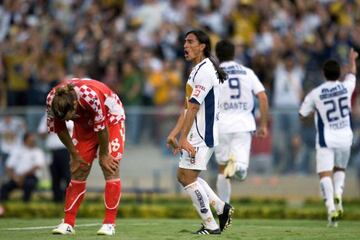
76 159
171 140
189 118
352 61
264 111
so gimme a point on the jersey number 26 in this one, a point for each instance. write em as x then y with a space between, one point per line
338 109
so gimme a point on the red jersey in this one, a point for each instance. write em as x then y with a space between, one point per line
98 107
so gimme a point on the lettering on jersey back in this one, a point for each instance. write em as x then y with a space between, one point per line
234 69
235 105
333 92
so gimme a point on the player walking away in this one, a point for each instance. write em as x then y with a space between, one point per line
237 122
198 129
331 103
98 118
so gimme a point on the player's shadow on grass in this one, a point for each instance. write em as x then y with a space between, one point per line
185 231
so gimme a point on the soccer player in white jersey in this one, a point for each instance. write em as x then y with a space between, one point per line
237 122
198 129
332 107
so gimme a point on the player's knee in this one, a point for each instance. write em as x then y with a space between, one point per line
81 173
241 174
182 179
185 177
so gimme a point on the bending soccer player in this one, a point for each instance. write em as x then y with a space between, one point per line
98 117
198 130
237 122
331 102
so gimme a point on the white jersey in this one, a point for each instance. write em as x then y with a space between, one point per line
237 98
22 159
331 102
202 87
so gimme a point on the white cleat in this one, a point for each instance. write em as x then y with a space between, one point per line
230 169
107 229
63 229
339 207
332 219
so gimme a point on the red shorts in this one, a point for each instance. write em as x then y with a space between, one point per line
87 147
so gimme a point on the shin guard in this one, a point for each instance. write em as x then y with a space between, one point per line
74 195
111 199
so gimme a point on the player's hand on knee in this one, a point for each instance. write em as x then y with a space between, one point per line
76 162
108 163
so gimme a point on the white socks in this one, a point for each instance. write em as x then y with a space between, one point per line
201 203
215 201
327 191
339 181
223 187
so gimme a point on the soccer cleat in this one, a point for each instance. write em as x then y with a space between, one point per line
63 229
205 231
339 207
230 169
107 229
225 218
332 219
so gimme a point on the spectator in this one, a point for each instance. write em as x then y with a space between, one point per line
59 160
22 168
286 100
12 129
130 90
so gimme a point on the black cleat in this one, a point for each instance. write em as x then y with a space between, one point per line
205 231
225 218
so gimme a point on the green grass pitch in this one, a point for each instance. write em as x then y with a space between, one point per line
178 229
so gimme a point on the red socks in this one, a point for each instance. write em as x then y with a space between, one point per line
74 196
111 199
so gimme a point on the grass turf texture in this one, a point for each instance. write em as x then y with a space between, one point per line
182 208
178 229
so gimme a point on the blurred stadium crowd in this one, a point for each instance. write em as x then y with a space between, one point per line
136 48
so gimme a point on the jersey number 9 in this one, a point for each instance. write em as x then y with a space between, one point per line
234 84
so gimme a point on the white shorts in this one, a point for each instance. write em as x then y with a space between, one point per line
236 145
199 162
328 158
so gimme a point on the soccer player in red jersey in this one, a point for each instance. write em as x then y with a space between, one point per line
99 118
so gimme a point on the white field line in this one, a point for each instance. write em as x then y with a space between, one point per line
48 227
78 225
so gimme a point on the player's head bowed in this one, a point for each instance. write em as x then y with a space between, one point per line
64 103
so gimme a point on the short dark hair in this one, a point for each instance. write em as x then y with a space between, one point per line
225 50
27 135
331 70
